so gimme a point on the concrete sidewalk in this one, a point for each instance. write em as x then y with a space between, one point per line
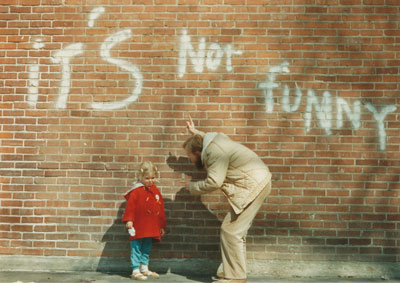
98 277
28 269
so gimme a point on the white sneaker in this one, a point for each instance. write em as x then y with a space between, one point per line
137 275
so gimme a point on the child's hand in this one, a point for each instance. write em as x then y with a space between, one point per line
129 224
132 232
162 232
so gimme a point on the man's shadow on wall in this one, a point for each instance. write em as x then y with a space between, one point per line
192 233
192 238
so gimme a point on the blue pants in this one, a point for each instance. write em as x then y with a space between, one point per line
140 252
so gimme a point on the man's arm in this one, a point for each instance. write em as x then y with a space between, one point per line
218 163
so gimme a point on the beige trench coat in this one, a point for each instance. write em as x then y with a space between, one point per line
233 168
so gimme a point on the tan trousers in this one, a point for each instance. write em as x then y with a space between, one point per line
233 238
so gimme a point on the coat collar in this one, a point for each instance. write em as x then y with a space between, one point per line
207 139
135 186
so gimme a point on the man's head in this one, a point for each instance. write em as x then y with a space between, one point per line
194 147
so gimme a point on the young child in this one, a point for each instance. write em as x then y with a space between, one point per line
145 218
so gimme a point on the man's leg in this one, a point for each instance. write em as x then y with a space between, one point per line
233 237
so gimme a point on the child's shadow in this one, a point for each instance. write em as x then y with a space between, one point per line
114 258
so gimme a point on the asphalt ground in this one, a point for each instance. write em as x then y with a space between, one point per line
98 277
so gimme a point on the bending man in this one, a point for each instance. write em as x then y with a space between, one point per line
244 180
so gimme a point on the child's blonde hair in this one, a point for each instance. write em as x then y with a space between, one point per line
145 168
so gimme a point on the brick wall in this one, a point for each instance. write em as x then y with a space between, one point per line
91 88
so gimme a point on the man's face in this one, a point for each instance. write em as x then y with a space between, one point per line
195 158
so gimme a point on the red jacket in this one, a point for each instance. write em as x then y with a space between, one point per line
145 208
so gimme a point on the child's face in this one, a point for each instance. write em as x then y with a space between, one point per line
149 179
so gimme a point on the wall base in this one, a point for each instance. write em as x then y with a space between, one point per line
277 269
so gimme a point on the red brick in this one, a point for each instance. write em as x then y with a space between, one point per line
64 166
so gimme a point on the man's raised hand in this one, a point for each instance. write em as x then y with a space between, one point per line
190 126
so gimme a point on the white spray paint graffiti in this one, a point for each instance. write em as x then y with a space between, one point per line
94 14
214 51
323 109
33 89
380 118
64 57
196 58
285 99
354 116
107 45
214 55
212 59
270 84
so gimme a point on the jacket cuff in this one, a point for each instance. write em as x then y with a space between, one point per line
194 188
